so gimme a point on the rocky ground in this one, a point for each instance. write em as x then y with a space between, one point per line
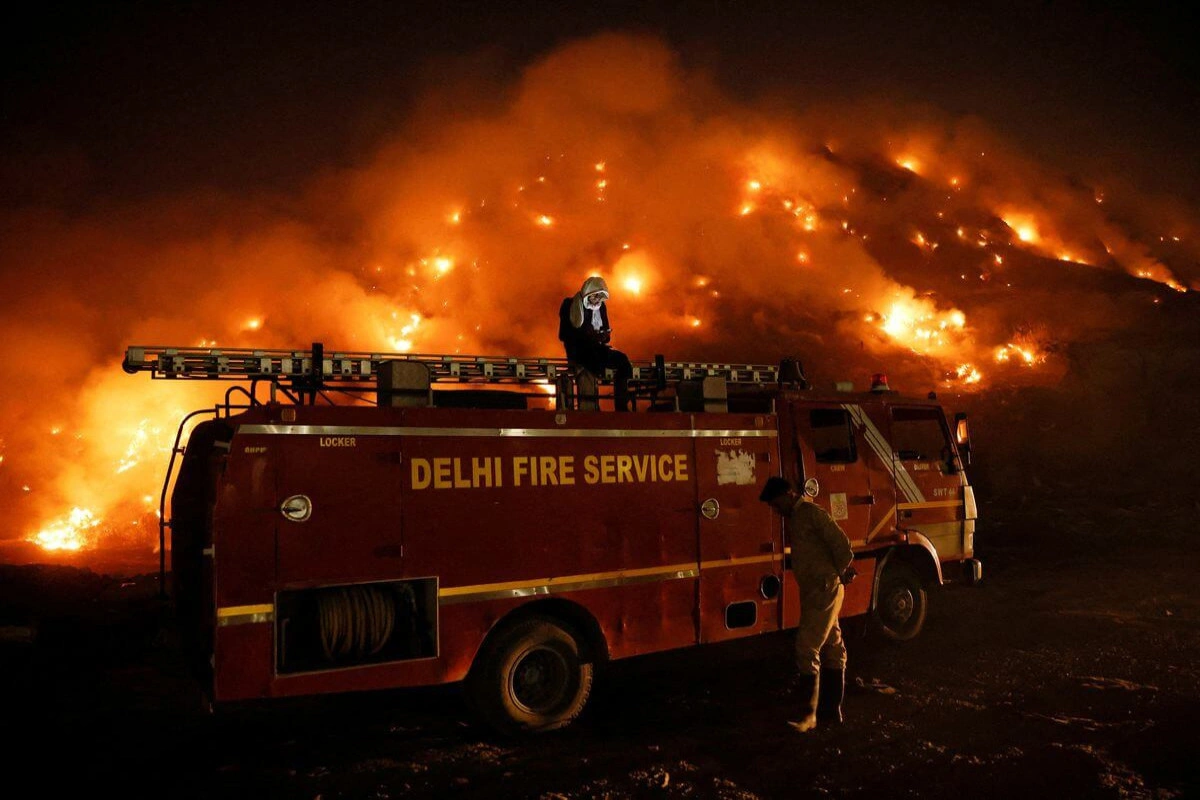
1073 671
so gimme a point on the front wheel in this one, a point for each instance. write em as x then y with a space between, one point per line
901 604
530 678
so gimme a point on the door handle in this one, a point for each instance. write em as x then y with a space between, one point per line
710 508
863 500
296 508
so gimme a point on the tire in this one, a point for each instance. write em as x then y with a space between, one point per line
530 678
901 603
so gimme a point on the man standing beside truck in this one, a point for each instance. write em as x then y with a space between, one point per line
821 562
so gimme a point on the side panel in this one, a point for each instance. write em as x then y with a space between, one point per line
580 510
740 545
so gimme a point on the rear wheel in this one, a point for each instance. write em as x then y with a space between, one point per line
530 678
901 604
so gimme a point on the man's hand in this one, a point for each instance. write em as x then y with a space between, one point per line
849 575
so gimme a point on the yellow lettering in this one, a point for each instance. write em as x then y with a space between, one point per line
499 471
607 465
420 473
641 466
590 473
460 480
481 472
549 470
441 473
681 467
566 470
520 467
624 469
664 467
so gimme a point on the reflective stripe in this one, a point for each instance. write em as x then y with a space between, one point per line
566 583
572 583
549 433
240 615
737 562
883 449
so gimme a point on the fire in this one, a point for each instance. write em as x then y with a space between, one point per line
71 532
917 324
1023 225
1025 355
967 374
465 241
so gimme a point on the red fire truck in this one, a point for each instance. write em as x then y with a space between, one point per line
488 520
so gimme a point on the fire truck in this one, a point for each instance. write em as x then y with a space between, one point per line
355 521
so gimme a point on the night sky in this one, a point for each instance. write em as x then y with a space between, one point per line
122 101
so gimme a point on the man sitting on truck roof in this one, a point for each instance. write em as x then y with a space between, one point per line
584 330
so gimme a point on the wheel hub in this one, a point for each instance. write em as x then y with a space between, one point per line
900 606
539 680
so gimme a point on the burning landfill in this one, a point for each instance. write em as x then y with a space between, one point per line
859 238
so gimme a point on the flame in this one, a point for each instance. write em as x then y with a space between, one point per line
71 532
1022 354
1024 225
917 324
464 239
968 374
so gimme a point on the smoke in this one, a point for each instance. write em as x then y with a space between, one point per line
862 237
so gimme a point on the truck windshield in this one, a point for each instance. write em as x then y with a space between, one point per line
919 434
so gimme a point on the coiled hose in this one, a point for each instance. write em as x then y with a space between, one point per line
355 621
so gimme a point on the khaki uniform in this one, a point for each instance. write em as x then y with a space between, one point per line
820 554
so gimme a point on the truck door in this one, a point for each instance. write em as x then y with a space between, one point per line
739 552
350 486
833 454
925 459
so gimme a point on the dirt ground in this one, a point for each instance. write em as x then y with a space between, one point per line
1073 671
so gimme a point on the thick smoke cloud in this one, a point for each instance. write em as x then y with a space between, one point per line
862 238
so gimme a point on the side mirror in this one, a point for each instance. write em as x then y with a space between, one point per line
962 437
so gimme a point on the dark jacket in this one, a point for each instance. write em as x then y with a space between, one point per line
584 343
820 549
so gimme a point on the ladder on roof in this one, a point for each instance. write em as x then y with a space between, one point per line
350 367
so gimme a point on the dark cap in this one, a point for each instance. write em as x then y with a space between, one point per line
774 487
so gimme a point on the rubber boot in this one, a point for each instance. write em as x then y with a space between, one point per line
829 700
806 691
